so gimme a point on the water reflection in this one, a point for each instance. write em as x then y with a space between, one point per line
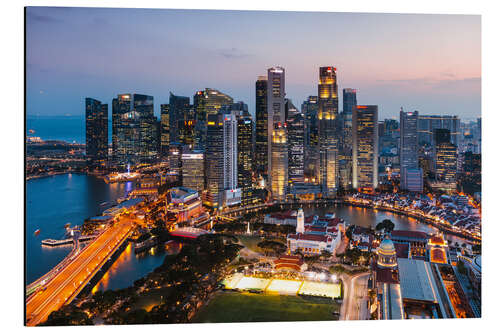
130 266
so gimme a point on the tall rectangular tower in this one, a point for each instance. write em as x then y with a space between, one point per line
408 147
96 132
328 132
214 156
232 194
164 129
275 111
279 156
178 108
365 147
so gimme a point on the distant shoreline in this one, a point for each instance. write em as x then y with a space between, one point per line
58 173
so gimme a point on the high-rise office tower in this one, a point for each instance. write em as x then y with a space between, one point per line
311 153
207 102
214 156
96 132
148 144
349 101
174 158
193 167
126 131
275 111
187 132
427 125
261 132
178 108
441 135
345 140
279 157
245 160
365 147
232 194
408 147
295 128
165 129
328 131
290 109
446 157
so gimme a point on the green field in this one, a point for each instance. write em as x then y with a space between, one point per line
251 242
227 307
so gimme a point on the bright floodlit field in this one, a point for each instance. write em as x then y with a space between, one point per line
230 307
232 281
252 283
284 286
320 289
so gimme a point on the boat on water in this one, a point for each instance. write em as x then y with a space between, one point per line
67 225
37 232
32 131
104 203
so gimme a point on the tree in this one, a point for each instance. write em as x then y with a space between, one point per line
348 232
386 225
325 254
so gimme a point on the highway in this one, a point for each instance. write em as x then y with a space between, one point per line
355 292
71 279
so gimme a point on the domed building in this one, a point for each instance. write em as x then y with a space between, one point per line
386 254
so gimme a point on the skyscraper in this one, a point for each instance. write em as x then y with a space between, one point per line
232 194
165 129
96 132
311 153
261 131
328 131
207 102
134 129
214 156
349 101
193 168
427 125
365 147
295 127
446 157
245 160
178 108
275 112
408 147
279 157
148 144
126 131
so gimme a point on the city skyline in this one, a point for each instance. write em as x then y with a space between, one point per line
438 80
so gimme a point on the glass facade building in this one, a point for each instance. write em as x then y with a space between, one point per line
96 132
279 156
328 130
178 110
408 147
365 147
193 170
206 102
275 112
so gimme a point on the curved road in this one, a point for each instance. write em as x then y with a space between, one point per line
355 292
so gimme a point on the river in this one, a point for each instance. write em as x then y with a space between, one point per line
53 201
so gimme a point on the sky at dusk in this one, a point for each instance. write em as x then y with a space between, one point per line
430 63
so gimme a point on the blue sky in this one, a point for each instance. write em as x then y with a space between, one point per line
430 63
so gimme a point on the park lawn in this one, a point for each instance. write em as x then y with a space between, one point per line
251 242
227 307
